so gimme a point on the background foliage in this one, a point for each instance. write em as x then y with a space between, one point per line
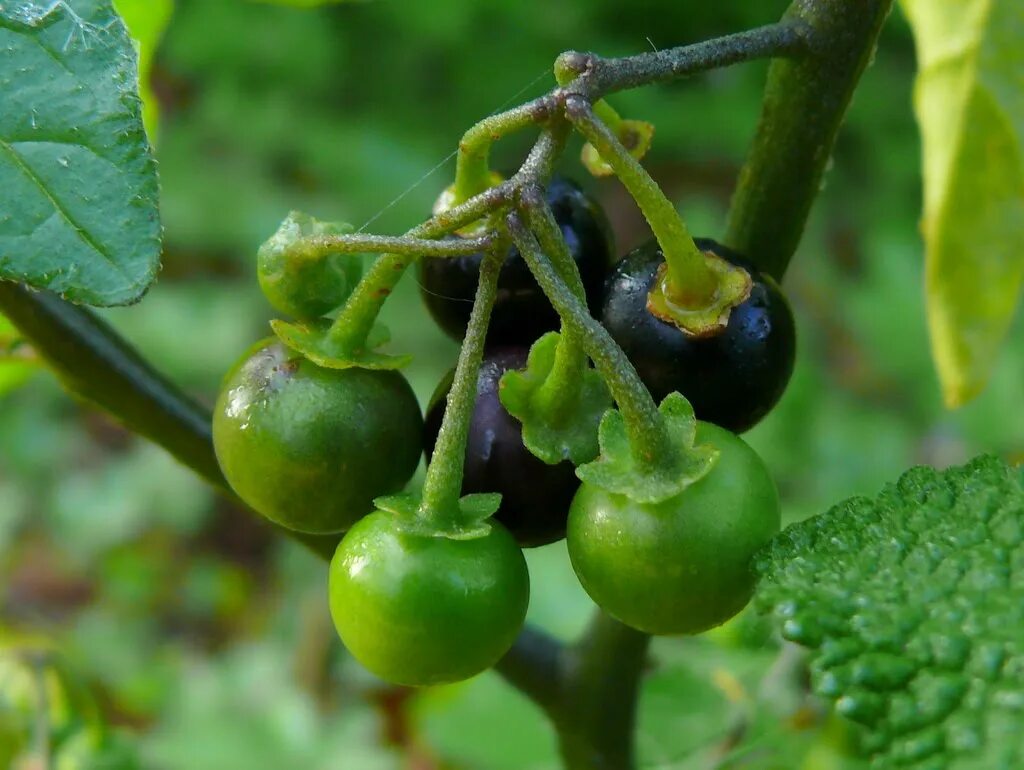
208 640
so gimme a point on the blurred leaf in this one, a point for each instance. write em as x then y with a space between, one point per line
17 362
970 105
307 3
146 21
78 187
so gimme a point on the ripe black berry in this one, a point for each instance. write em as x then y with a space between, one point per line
521 312
733 378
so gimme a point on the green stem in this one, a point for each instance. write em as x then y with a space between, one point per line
601 687
94 362
648 436
442 487
563 384
319 246
353 324
804 104
692 283
784 39
472 170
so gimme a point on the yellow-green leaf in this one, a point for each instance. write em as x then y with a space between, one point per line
146 21
969 100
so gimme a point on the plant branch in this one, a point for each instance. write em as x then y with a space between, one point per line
804 104
361 243
600 77
602 677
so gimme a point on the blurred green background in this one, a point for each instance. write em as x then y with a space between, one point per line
206 640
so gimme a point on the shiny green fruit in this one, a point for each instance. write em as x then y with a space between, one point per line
310 448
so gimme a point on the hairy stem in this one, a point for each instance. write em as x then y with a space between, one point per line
357 316
648 436
691 281
316 246
442 487
563 384
605 76
804 104
472 169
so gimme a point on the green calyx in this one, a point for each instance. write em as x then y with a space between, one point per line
635 136
466 520
700 316
618 470
300 278
559 422
315 341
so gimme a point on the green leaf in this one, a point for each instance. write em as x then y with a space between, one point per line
616 470
78 186
969 101
914 606
571 434
146 20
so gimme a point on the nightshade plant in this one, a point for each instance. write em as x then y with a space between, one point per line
674 518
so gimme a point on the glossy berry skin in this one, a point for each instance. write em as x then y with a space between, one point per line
732 379
310 448
683 565
535 496
521 313
421 609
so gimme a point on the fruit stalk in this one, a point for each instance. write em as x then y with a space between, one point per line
472 170
648 437
566 378
354 322
442 487
693 284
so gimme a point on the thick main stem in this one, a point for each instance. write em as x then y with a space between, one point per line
804 104
603 674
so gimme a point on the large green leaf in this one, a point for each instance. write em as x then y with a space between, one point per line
970 104
146 20
913 604
78 186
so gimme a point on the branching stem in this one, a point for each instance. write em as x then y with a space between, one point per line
648 436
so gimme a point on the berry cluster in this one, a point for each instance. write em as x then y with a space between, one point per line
660 503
